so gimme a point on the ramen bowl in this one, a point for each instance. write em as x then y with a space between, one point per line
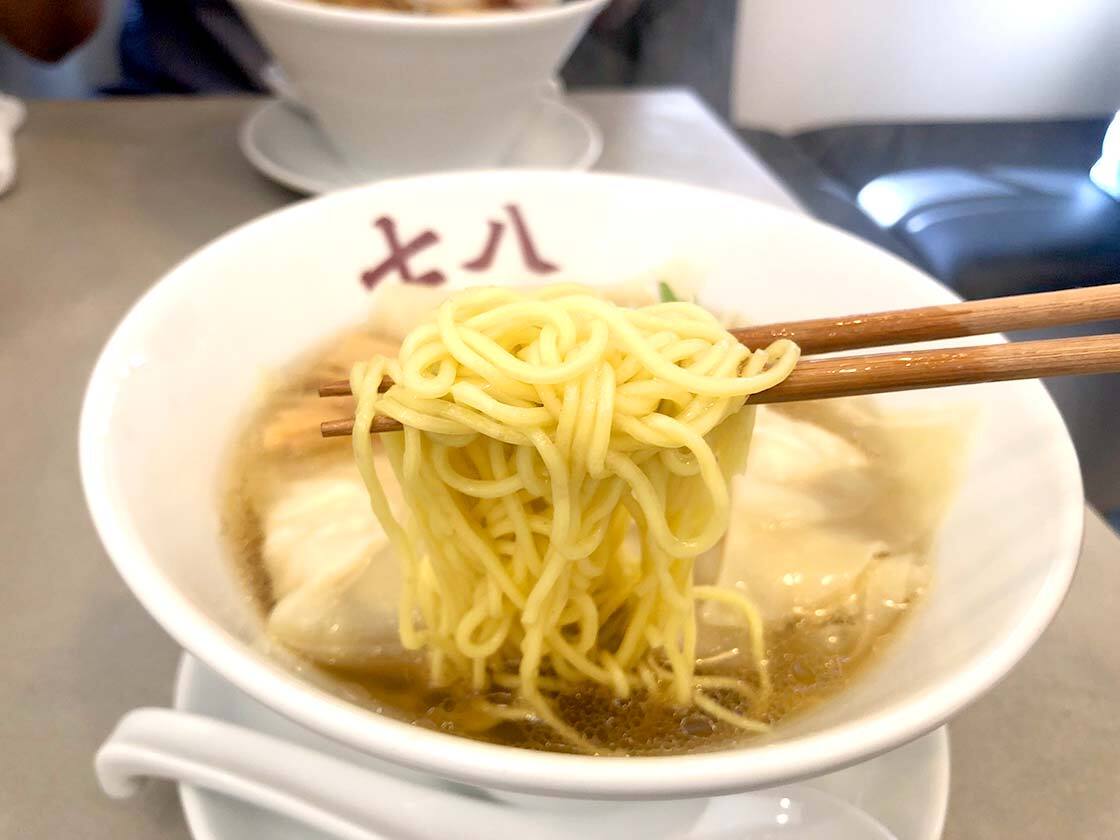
398 93
175 380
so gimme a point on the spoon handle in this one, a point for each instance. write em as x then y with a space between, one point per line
306 786
338 797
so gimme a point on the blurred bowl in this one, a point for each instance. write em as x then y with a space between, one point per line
399 93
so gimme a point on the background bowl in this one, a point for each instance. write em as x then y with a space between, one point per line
399 93
174 380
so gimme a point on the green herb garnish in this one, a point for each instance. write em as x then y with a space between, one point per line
667 294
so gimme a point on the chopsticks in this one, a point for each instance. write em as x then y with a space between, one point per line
843 376
954 320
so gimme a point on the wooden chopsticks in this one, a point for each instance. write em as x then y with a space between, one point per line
954 320
839 376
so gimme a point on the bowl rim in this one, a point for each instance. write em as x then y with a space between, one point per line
511 768
308 11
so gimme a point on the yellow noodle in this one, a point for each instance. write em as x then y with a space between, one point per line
541 427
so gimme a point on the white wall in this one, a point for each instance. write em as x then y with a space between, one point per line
94 64
806 63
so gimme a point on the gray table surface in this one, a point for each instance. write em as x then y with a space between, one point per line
111 194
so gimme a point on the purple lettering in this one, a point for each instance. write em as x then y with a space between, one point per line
533 260
400 254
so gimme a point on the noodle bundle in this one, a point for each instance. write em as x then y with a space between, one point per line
565 461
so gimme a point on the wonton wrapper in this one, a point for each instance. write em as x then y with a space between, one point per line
334 576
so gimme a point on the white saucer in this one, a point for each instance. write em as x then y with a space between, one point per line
906 791
284 144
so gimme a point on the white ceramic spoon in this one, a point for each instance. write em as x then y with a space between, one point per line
354 803
279 86
12 115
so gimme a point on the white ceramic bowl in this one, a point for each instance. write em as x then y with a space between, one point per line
172 383
399 93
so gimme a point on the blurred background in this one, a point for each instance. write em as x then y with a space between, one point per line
966 137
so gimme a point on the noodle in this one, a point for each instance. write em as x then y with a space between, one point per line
542 428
